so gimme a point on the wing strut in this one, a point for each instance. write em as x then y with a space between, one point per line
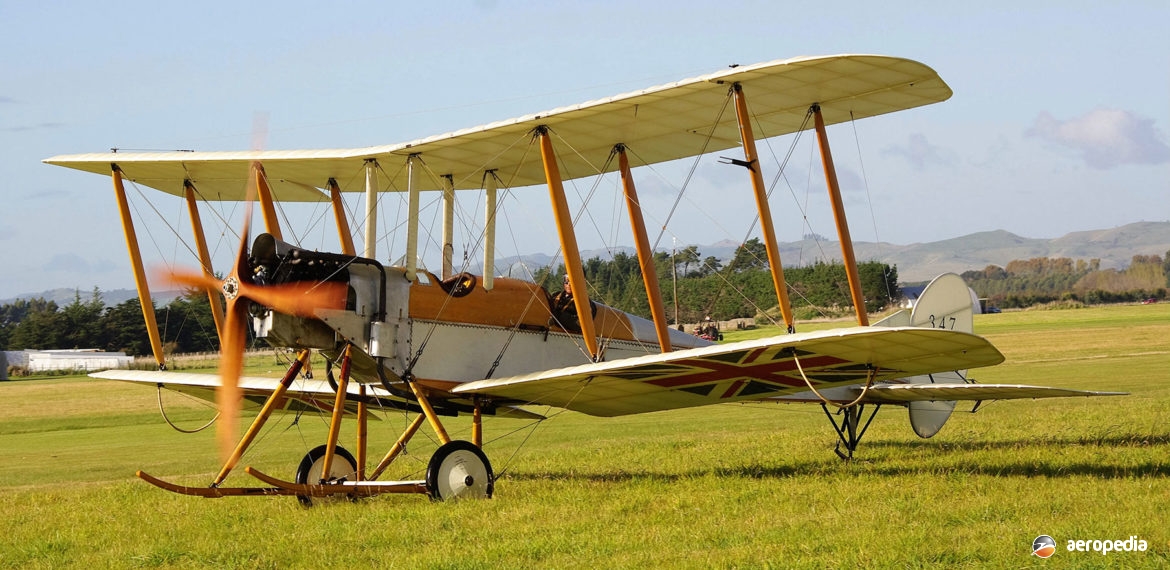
343 232
372 210
839 217
267 206
136 263
769 231
645 254
448 224
412 206
204 257
489 231
568 237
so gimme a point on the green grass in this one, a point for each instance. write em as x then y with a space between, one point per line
753 485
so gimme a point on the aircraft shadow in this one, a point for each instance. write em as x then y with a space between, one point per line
864 467
1116 440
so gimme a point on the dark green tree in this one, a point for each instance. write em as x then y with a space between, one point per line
752 254
123 329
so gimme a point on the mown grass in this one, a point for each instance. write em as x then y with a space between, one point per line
753 485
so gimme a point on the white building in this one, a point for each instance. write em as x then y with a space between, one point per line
82 359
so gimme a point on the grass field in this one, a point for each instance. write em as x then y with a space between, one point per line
754 485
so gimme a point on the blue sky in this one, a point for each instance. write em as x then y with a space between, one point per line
1060 120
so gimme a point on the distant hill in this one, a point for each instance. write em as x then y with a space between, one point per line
916 262
923 261
111 298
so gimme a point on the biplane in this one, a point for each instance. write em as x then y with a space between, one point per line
453 343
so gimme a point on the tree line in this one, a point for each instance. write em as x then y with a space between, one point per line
740 288
1023 283
186 325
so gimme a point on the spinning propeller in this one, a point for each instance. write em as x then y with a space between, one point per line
299 299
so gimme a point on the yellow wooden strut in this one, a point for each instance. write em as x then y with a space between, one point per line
424 403
338 413
362 431
765 211
267 205
213 295
274 401
398 446
343 232
645 254
477 424
839 217
564 221
136 264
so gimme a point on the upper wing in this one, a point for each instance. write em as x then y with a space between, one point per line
748 370
905 393
661 123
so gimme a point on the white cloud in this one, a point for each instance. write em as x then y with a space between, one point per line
1105 138
920 153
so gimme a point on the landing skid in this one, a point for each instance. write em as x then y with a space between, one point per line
281 487
847 432
341 487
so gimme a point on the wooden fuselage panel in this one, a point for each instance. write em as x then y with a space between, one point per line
511 303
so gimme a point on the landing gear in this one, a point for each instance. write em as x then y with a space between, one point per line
847 432
309 472
459 470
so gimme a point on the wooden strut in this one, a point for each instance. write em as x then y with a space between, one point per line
338 413
270 405
645 254
765 211
362 432
477 424
213 295
568 237
847 256
424 403
140 283
398 447
343 232
267 205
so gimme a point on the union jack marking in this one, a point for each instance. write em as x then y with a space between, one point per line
756 371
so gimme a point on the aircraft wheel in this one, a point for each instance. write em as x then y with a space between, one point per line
459 470
309 472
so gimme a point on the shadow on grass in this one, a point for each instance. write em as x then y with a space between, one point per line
938 463
1115 440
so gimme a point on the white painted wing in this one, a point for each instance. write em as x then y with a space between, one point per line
905 393
302 395
748 370
661 123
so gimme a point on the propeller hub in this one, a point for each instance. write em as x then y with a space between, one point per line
231 288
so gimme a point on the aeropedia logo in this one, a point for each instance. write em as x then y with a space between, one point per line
1044 546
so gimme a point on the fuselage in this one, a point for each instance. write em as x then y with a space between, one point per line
443 332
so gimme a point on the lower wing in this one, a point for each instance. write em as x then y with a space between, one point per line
303 395
747 370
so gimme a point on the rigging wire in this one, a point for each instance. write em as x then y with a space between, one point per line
868 198
694 166
162 411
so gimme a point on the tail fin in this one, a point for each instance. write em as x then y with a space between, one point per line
946 303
